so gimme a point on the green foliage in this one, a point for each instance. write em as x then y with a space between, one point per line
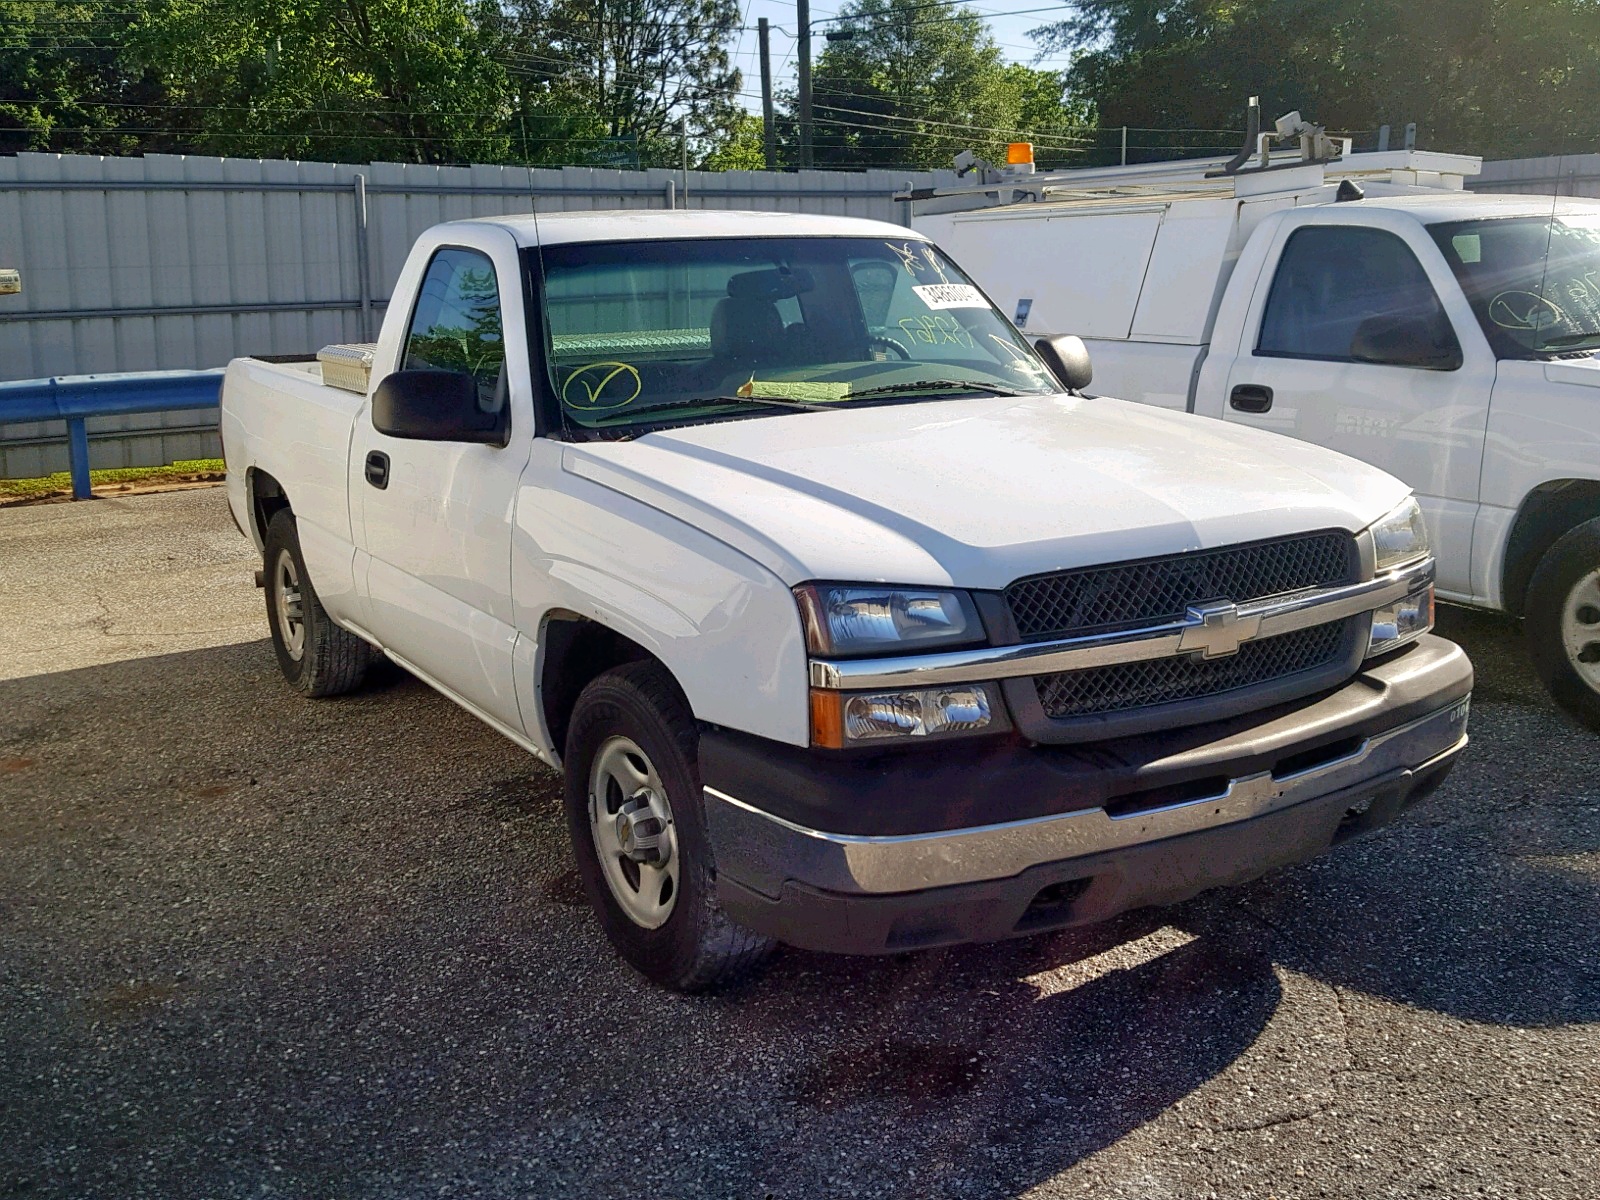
740 149
404 80
613 82
1493 77
624 82
44 487
644 71
917 82
65 84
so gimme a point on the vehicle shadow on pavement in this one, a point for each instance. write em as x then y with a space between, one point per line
258 944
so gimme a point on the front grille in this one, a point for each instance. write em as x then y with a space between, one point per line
1126 686
1158 590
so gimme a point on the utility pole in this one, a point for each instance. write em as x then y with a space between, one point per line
802 11
769 134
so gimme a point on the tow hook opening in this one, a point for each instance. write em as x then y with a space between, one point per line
1367 814
1053 904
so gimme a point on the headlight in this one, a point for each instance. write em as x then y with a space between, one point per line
1404 621
840 719
879 620
1401 537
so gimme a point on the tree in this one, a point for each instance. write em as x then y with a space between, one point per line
743 148
644 71
353 80
917 82
66 86
1494 77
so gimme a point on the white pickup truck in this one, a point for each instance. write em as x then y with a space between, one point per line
1368 305
851 624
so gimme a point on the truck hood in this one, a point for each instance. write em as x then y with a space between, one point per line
977 493
1585 372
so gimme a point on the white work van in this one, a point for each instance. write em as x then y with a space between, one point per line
1367 304
850 621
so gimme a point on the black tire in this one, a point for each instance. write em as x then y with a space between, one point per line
1571 674
325 660
697 947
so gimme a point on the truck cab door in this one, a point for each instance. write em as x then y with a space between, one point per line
1359 340
434 517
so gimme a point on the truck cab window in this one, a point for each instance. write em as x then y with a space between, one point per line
1332 280
456 324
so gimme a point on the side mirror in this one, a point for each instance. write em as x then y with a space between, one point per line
435 406
1407 340
1068 358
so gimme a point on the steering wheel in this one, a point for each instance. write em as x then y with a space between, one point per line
890 344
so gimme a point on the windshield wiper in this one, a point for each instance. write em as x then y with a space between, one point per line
937 385
1568 341
622 418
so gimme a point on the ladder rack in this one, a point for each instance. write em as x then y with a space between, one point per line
1195 178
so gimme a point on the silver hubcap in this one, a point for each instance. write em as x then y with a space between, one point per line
291 609
631 823
1580 628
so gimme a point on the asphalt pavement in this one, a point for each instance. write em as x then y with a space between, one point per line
253 945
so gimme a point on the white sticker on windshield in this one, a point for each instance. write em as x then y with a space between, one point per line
950 295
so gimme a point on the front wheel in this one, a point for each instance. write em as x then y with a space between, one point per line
1563 622
634 814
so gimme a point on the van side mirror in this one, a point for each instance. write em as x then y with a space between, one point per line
1425 342
1068 359
435 406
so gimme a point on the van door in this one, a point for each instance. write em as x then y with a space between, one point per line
436 516
1348 344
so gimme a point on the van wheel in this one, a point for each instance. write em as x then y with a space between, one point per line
1563 622
317 657
635 815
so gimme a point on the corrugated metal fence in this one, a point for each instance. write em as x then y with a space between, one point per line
1560 175
170 262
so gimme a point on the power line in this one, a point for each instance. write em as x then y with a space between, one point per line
993 130
1038 146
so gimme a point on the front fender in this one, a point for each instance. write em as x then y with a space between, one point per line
725 626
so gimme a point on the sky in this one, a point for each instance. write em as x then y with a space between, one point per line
1010 31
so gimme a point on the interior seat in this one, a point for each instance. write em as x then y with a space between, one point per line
746 328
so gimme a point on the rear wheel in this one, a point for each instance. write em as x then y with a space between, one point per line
635 815
317 657
1563 622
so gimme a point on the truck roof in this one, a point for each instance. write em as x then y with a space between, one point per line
637 225
1427 205
1464 206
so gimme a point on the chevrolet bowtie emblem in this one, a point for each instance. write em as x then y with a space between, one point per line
1217 630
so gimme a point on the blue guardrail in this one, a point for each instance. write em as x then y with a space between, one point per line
75 398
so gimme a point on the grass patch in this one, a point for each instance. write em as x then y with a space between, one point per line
61 481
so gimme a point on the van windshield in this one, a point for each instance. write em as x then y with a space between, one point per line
1533 282
646 333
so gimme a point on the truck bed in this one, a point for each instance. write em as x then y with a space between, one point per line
279 417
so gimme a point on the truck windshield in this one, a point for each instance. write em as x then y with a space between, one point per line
643 333
1533 282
